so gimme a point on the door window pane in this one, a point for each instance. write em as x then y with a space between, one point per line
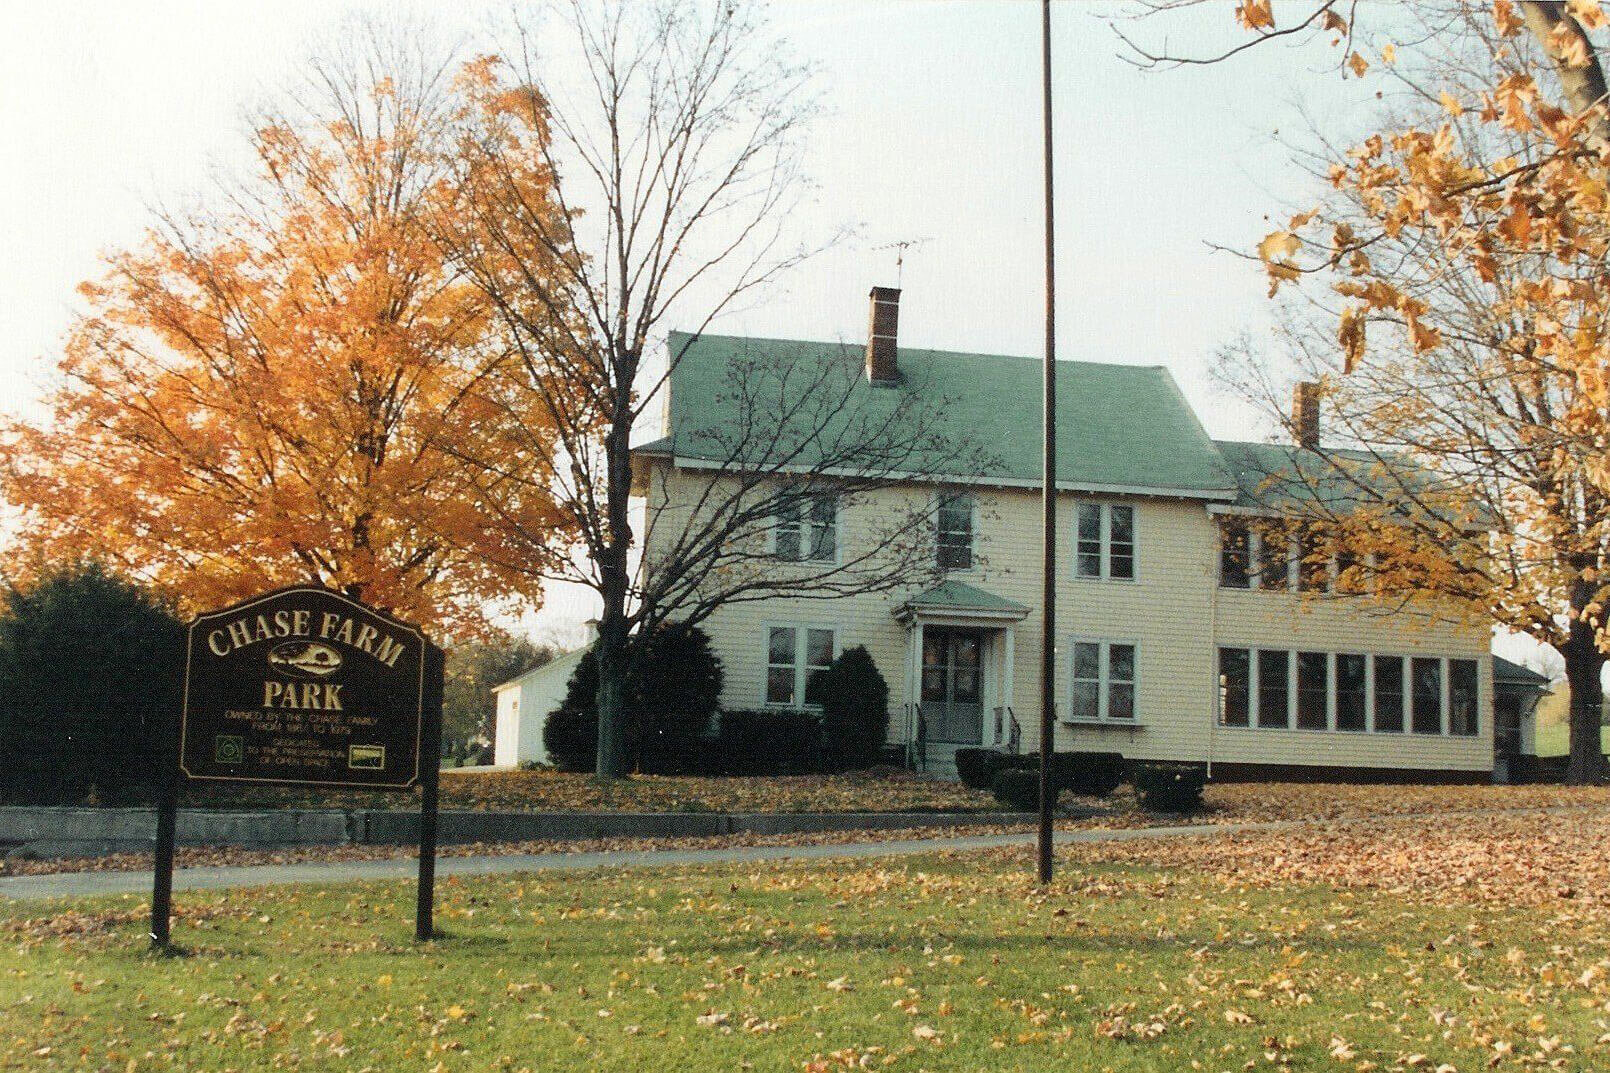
1349 692
1235 555
1121 550
1273 688
1235 685
1312 674
1427 696
1462 714
1389 694
1087 559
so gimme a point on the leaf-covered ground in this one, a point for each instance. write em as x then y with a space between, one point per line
877 790
1404 945
1225 804
880 789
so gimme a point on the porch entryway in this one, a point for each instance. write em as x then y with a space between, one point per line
959 674
953 685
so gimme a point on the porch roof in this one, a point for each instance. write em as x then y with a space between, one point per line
1513 674
952 597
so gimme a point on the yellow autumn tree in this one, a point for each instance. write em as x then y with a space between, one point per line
1458 322
280 390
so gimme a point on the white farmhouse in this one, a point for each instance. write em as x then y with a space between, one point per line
1172 642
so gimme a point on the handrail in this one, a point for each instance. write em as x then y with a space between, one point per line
922 740
1015 742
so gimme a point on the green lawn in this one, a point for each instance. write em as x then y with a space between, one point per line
1554 739
942 963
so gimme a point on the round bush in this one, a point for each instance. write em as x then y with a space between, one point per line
1018 788
977 767
855 710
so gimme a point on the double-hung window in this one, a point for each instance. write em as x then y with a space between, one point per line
1350 691
1274 688
953 519
1388 694
1103 681
1274 557
1235 554
1105 541
1313 690
1462 711
1235 687
1426 695
1313 561
795 658
807 529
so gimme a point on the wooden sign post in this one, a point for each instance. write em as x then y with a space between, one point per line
305 686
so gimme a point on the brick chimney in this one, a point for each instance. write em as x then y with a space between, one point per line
1305 415
882 356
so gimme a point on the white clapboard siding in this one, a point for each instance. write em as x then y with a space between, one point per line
1173 611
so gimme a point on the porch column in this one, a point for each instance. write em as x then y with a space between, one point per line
914 677
1009 661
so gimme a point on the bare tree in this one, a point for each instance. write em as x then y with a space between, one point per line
669 134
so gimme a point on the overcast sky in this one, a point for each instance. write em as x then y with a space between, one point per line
931 132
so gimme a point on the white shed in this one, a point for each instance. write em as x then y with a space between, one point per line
523 707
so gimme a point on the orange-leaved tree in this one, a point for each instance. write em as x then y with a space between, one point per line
280 390
1462 333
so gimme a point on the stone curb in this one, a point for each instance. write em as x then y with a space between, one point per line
89 832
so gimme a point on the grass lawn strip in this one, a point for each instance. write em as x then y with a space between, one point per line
1198 953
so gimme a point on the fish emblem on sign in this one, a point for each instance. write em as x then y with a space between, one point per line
305 659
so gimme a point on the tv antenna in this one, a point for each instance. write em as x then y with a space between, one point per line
900 256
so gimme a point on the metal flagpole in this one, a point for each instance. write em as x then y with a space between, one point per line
1048 489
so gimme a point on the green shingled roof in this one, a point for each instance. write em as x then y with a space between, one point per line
1119 427
1514 674
958 595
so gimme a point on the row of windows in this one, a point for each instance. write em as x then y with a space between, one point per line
807 531
1347 691
1258 687
1267 555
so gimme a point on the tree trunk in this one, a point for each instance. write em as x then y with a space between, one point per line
613 625
1583 664
1583 87
611 699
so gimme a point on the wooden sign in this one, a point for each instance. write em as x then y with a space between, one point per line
306 686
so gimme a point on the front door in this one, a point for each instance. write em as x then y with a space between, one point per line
952 685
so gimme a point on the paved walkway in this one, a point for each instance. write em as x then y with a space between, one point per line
82 884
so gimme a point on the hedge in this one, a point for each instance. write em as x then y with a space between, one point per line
1165 787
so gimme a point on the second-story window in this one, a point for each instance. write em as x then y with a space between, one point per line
1235 554
1105 541
807 529
1274 557
954 522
